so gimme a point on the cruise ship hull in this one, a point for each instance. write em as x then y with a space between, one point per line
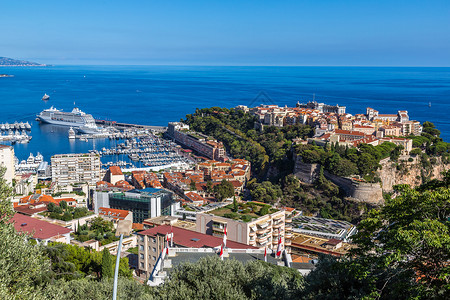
80 121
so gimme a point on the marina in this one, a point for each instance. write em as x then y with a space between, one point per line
146 151
15 126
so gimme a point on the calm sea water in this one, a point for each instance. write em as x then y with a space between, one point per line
155 95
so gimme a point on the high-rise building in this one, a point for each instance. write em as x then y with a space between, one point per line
7 161
248 226
153 240
76 168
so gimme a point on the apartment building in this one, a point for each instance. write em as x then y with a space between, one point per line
153 240
199 142
247 226
76 168
7 161
411 128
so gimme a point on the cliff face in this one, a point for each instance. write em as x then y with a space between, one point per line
406 172
391 173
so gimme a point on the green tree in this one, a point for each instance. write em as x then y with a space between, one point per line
80 212
51 207
101 225
409 239
211 278
235 205
224 190
107 264
97 290
192 186
63 204
6 210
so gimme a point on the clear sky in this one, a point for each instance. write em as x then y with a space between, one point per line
227 32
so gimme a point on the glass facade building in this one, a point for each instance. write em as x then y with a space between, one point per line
145 203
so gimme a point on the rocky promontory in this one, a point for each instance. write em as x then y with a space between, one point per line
6 61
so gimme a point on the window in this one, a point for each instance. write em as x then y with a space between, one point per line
141 248
154 249
153 240
142 256
142 265
141 238
154 257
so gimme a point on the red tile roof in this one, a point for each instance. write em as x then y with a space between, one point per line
115 170
40 229
188 238
348 132
138 226
29 209
118 214
194 196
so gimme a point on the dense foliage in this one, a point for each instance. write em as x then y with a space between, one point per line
271 153
403 250
99 229
430 141
224 190
65 212
236 130
211 278
345 161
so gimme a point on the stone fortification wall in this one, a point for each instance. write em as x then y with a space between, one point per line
365 192
360 191
305 172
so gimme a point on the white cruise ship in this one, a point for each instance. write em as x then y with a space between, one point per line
77 119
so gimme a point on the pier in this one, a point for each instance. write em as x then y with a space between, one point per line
122 126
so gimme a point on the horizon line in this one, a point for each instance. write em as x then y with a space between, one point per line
234 65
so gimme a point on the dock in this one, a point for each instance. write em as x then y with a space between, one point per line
122 126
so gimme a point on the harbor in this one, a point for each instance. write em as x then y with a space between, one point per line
145 151
16 132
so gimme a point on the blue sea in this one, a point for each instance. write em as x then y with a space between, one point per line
156 95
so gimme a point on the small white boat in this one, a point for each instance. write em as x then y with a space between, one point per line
45 97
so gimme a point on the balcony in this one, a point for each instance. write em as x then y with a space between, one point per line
278 225
288 227
287 242
278 218
252 233
262 231
218 228
275 242
288 235
288 220
262 239
264 225
263 244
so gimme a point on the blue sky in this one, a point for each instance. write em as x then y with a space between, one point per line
311 33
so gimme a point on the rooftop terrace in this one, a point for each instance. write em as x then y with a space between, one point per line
245 211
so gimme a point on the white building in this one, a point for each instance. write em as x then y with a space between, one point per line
76 168
7 160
